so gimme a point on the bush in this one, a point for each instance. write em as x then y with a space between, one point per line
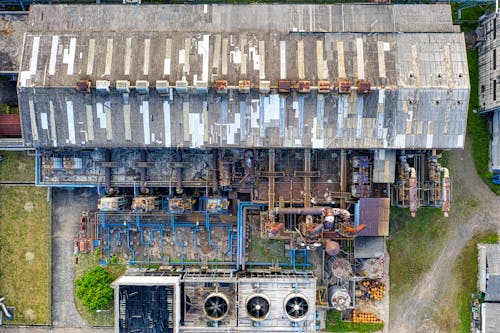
94 290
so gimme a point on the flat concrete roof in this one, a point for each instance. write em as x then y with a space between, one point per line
13 27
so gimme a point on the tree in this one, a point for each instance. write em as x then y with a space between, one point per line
94 290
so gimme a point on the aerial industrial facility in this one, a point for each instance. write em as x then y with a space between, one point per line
250 153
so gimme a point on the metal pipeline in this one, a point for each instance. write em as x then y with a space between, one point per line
178 177
412 184
446 192
4 308
107 170
143 171
299 211
215 178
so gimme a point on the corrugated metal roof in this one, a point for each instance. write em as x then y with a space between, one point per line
374 213
10 125
419 80
490 317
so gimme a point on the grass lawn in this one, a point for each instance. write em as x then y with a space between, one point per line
85 263
17 166
266 250
466 271
409 242
335 324
25 244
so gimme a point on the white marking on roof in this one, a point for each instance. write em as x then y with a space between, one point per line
147 46
262 60
34 128
128 56
320 66
181 56
34 55
282 60
69 56
109 57
360 56
100 115
168 57
90 122
53 55
187 48
203 50
216 57
144 109
126 118
90 57
166 119
243 68
205 9
185 121
53 125
196 130
109 121
224 56
71 122
45 123
300 59
271 108
340 59
381 59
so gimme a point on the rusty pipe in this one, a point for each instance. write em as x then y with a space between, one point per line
299 211
445 193
178 177
143 171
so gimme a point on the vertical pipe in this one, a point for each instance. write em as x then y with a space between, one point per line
270 190
307 179
143 171
343 162
178 178
215 164
107 170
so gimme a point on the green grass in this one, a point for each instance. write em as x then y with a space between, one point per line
25 242
266 250
413 245
334 323
85 263
17 166
466 271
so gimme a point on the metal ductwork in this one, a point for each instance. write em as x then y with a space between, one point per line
296 307
257 306
216 306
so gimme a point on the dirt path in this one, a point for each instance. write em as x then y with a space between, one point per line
415 312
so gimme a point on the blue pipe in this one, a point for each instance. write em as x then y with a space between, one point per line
37 166
241 206
132 252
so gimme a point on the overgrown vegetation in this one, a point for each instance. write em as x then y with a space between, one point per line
25 243
266 250
465 269
17 166
412 245
94 290
87 262
334 323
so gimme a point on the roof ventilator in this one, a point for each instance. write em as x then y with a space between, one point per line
102 86
142 86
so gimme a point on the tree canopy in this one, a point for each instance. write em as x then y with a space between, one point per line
94 289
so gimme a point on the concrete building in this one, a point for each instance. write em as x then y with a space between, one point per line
488 80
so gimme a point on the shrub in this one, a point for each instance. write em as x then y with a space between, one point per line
94 290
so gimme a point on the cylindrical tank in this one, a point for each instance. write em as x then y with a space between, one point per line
341 268
332 248
339 298
373 268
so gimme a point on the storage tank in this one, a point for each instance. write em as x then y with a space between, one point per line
339 298
341 268
332 248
